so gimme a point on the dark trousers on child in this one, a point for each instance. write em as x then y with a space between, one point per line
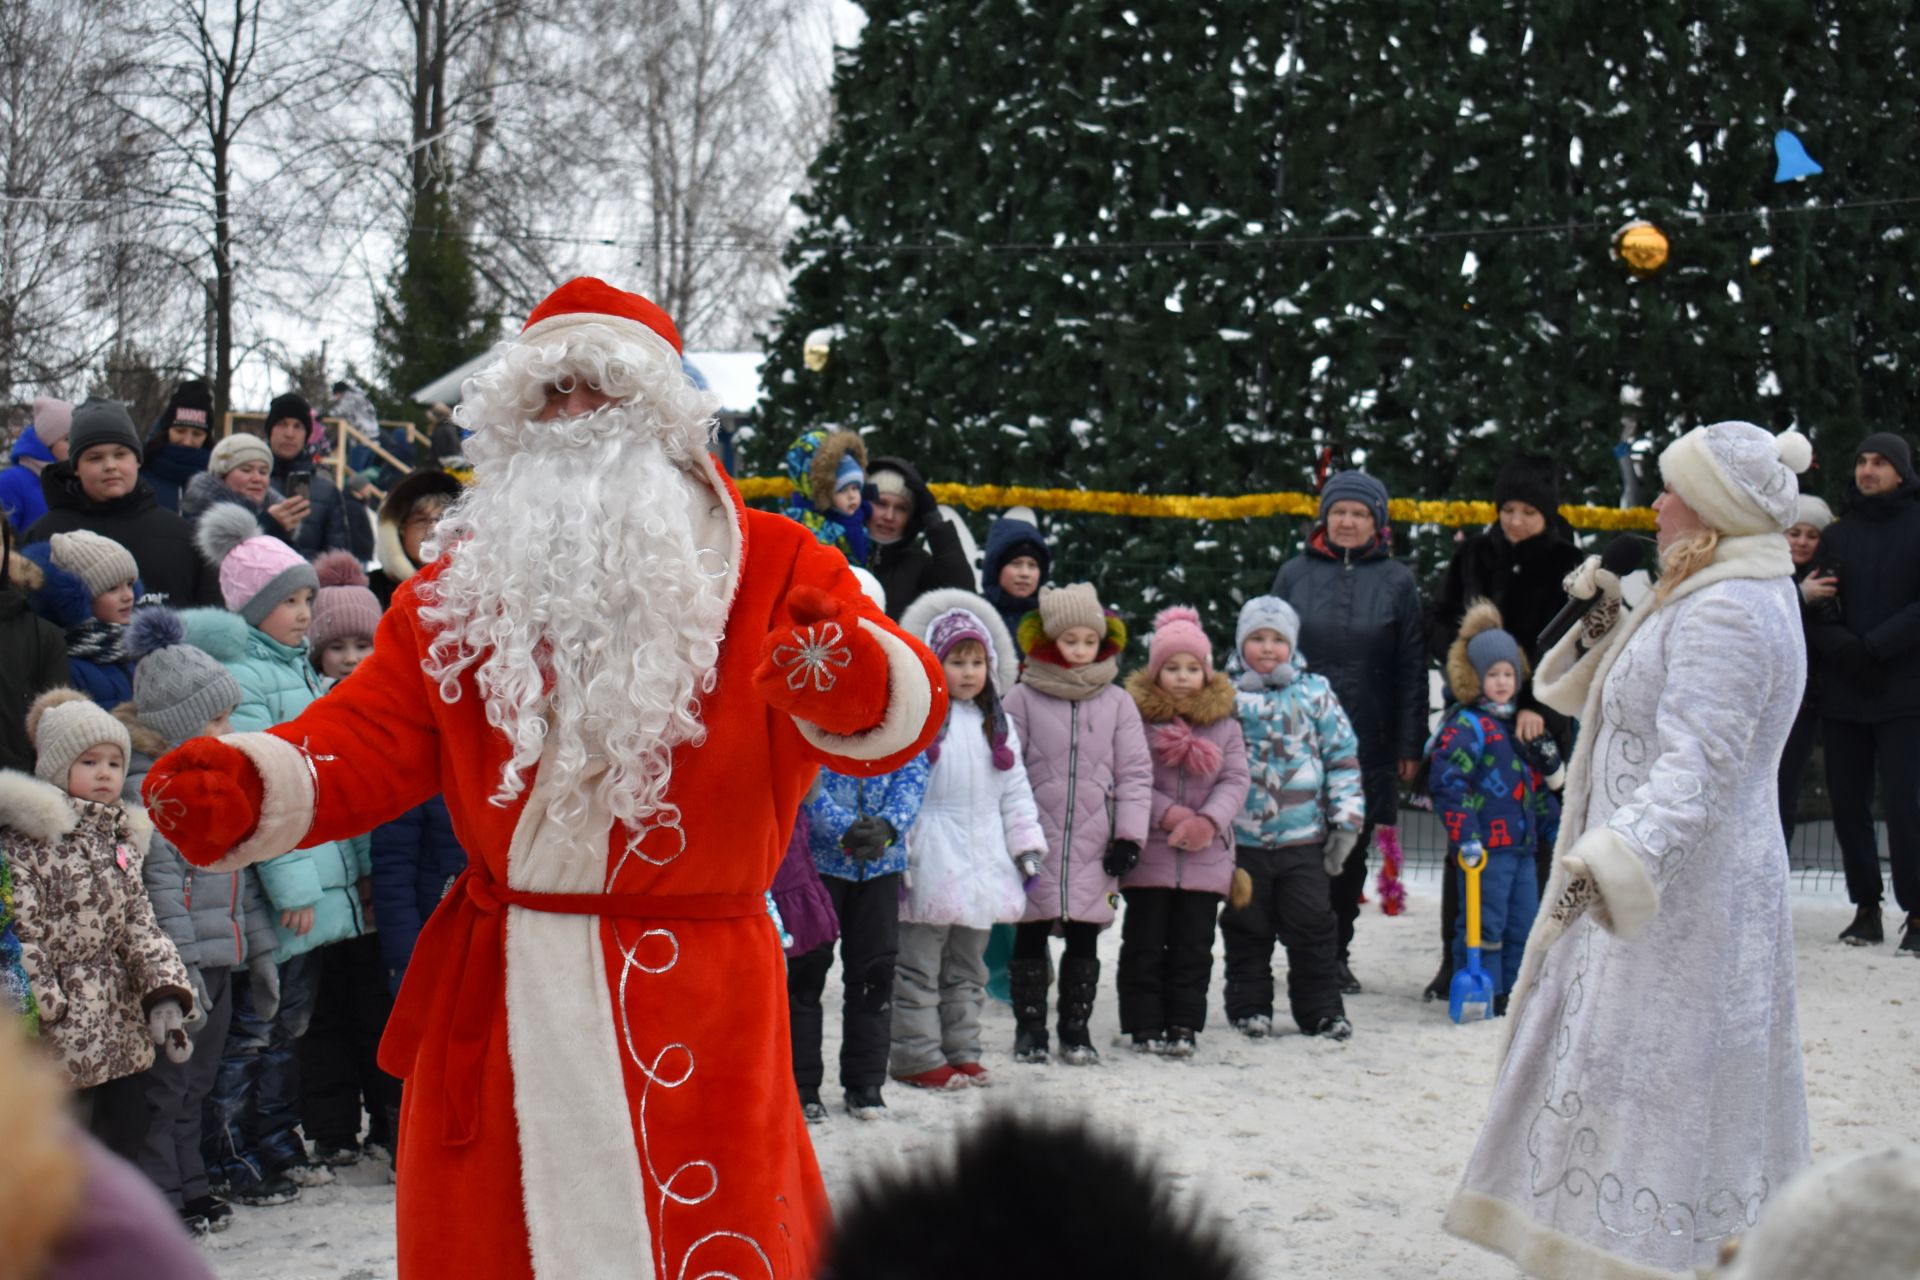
251 1128
339 1073
1798 753
115 1113
1166 960
176 1091
1858 755
1291 905
869 913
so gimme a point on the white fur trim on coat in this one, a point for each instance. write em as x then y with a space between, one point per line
1626 889
909 699
1537 1249
580 1178
35 808
918 616
286 805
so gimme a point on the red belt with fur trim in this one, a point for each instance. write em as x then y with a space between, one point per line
454 979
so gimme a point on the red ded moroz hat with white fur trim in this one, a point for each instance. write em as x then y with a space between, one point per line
585 300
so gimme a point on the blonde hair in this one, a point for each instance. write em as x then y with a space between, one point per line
966 647
1686 557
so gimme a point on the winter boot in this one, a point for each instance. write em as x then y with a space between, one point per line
215 1212
814 1110
1079 981
1910 939
1255 1026
1349 985
1028 981
1441 988
1334 1028
1180 1042
1865 931
864 1102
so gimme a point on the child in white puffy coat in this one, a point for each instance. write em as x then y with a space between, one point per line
976 840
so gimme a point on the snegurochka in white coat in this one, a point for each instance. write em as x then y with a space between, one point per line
1652 1097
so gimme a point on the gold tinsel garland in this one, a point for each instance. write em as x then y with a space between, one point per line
1404 511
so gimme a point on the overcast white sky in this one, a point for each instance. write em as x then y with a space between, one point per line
343 320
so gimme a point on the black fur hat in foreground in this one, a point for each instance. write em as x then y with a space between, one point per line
1027 1199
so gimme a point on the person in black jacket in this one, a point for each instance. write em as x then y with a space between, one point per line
1361 627
180 443
1518 563
1817 586
332 523
99 488
1868 644
33 659
904 515
1015 566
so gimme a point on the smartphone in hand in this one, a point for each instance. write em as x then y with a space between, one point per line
300 484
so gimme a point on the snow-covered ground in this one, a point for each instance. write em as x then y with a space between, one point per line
1321 1159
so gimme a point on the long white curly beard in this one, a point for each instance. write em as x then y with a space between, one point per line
576 592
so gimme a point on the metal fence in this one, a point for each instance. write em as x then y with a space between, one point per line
1814 853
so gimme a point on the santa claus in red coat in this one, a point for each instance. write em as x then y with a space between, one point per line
623 682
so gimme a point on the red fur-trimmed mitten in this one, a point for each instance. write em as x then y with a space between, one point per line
824 668
205 796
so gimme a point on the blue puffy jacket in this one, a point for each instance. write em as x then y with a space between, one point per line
65 601
415 860
894 796
21 502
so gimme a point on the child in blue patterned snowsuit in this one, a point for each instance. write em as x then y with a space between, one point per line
1492 795
858 830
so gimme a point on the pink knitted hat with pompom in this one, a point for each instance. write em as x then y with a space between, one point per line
1177 630
344 606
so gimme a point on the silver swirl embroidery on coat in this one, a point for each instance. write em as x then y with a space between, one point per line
671 1188
1722 1214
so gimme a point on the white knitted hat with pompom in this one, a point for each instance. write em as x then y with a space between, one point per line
1740 479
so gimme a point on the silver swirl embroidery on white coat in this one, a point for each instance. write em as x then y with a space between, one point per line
1725 1211
668 1187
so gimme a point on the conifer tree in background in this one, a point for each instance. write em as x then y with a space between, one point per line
1016 232
433 323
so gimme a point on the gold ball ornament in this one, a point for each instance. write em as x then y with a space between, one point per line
818 347
1642 246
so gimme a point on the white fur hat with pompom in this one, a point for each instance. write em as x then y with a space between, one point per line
1740 479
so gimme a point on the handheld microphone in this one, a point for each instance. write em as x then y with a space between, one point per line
1623 555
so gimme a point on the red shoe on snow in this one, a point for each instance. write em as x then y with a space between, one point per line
938 1078
973 1073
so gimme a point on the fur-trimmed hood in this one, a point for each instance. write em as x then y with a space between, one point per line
1213 702
932 604
44 813
815 457
1462 680
147 740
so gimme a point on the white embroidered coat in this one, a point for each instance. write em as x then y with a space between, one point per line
1652 1096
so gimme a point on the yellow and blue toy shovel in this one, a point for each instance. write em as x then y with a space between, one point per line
1471 996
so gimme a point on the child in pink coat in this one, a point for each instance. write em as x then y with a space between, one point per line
1199 783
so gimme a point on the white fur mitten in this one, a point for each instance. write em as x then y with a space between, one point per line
167 1024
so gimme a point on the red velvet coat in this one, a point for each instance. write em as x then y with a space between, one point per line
521 1067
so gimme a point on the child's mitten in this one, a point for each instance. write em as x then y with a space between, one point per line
868 839
1335 851
1195 833
167 1024
823 667
1028 865
204 796
1121 857
1174 816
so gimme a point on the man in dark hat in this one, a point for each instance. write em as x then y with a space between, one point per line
1869 646
333 523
